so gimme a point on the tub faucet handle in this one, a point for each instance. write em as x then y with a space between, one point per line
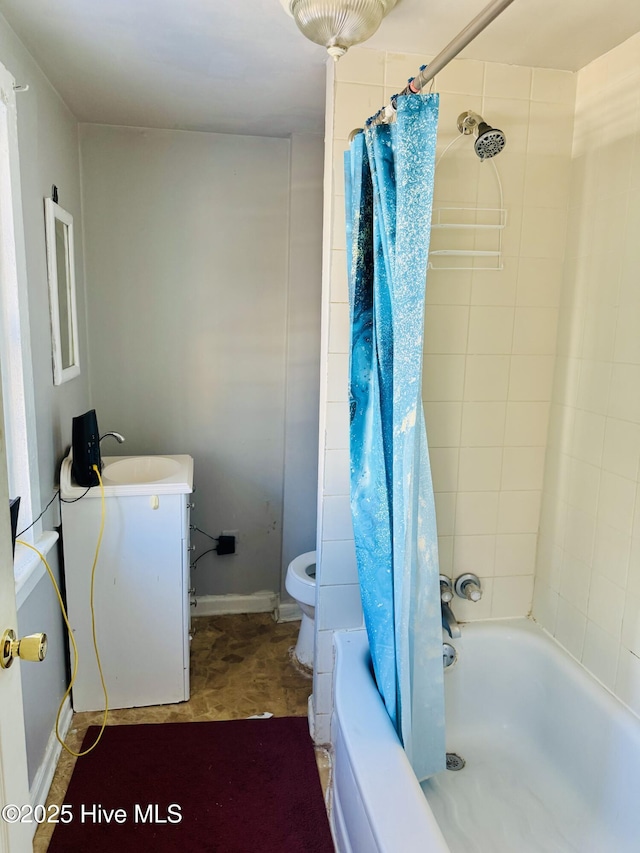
446 589
468 586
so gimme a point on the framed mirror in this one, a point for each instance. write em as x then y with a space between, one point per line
62 292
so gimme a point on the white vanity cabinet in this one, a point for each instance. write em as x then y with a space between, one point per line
141 593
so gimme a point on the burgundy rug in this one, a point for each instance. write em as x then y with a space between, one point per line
239 786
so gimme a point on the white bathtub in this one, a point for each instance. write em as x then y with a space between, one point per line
552 758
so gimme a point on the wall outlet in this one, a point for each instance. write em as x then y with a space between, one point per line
229 545
235 533
226 545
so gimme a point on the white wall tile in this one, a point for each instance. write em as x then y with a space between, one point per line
323 693
522 468
321 729
611 552
445 555
324 652
534 330
474 554
339 282
336 472
512 116
479 469
512 596
443 377
338 232
631 624
361 65
490 330
445 512
337 426
476 513
551 85
443 423
617 501
340 607
600 654
606 605
463 76
624 400
598 334
444 468
339 328
401 67
489 289
539 282
483 424
486 377
337 378
446 328
628 679
543 232
594 386
507 81
545 606
575 580
531 377
447 287
582 486
519 512
550 128
579 536
354 102
546 182
627 344
571 626
337 518
526 424
339 563
588 436
515 554
633 572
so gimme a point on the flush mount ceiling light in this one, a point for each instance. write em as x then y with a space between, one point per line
338 24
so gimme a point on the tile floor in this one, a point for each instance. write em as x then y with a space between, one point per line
240 665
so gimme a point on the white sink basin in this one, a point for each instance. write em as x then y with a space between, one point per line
140 469
133 476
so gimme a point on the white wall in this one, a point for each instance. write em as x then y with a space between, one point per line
48 145
303 350
186 258
588 569
490 336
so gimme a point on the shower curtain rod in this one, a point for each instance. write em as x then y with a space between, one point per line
426 74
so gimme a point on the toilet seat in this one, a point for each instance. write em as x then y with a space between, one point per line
298 583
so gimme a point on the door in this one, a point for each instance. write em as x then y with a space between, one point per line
15 837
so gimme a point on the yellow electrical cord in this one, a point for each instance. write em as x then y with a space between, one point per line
72 638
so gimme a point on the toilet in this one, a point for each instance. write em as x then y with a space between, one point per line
300 583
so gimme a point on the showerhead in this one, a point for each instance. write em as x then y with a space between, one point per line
489 140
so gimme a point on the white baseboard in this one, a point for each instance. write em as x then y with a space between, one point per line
217 605
42 781
288 612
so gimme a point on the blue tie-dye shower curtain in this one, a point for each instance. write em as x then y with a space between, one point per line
389 192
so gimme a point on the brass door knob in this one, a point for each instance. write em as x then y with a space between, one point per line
33 647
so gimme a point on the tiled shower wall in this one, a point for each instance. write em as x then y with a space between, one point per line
588 568
489 341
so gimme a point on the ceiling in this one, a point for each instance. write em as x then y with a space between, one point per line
241 66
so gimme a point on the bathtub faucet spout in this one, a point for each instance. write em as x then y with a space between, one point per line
449 621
